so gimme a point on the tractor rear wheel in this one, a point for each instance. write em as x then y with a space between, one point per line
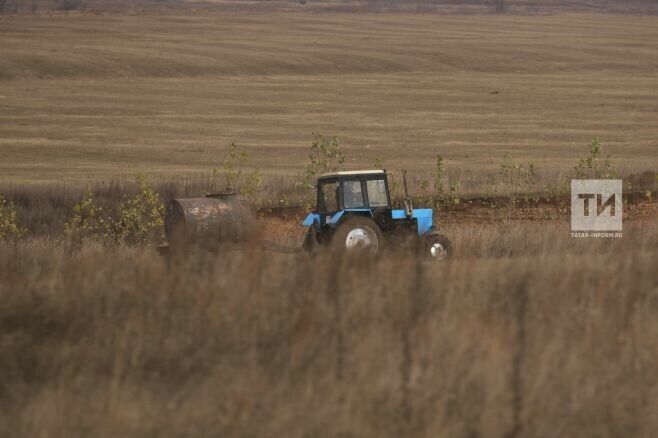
358 234
436 246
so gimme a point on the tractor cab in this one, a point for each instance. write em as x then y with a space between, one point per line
354 211
359 192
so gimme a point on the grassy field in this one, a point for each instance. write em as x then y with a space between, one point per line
88 97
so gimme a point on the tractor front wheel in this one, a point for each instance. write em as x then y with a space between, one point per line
436 246
358 235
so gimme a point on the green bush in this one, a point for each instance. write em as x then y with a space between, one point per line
593 166
445 199
87 221
517 176
437 176
325 155
139 220
9 227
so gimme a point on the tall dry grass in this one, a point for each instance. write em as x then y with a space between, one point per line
527 332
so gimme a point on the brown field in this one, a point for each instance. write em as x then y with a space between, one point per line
86 96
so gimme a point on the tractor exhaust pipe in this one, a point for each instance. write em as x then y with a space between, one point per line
408 205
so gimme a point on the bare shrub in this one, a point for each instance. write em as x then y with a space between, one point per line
235 175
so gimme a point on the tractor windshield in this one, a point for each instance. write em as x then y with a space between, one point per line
352 194
328 196
377 196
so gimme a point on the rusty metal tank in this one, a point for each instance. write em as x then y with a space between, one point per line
212 219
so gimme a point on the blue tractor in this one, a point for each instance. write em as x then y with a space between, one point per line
354 214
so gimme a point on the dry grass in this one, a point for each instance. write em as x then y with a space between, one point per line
86 97
527 332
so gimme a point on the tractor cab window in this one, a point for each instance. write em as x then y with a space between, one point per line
377 193
328 196
352 194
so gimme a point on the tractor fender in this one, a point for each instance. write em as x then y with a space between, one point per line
423 216
338 217
312 218
424 219
335 219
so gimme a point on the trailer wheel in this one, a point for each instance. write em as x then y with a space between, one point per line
436 246
358 234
